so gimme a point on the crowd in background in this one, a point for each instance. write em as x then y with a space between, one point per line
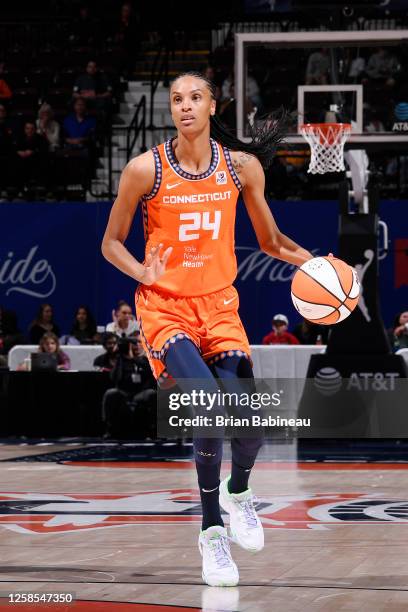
57 103
128 405
124 326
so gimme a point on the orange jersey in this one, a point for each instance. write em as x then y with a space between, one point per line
194 214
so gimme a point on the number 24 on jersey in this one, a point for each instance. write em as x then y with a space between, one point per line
199 221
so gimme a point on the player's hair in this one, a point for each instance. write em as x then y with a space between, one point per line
265 137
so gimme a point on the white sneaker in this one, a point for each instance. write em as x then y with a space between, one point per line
245 527
218 567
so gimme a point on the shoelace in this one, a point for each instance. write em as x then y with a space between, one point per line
221 551
249 512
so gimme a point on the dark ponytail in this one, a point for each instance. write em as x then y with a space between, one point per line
265 137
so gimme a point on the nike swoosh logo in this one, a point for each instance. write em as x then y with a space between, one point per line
229 301
174 185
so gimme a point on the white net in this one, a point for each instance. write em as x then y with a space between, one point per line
326 142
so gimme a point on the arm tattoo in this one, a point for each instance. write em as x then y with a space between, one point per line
239 160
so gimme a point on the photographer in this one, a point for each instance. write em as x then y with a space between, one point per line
399 333
128 409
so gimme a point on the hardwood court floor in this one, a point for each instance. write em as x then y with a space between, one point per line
336 536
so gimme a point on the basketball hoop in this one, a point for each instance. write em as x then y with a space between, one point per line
326 142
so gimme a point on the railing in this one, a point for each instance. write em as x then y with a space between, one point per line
135 127
160 70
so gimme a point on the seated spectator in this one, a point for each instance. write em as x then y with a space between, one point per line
317 69
310 333
124 322
30 149
49 343
279 333
128 409
107 361
43 323
398 334
10 335
47 127
79 127
95 87
84 327
5 92
383 67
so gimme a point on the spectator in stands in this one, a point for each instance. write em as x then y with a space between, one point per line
5 92
48 127
317 69
49 343
79 127
210 73
356 70
398 334
373 122
95 87
124 323
84 28
107 361
310 333
226 110
127 36
10 335
253 93
129 408
84 327
279 333
43 323
382 67
31 149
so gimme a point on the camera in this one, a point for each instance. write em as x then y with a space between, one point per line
123 344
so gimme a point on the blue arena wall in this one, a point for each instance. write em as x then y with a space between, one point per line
50 252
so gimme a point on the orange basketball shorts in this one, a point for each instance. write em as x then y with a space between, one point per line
210 321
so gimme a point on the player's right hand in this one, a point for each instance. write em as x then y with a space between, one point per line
155 264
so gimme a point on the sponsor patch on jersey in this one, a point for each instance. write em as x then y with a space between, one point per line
221 177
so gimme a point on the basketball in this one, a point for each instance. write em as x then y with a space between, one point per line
325 290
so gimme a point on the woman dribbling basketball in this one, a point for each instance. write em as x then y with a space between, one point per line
187 306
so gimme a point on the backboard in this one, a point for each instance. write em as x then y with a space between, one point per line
327 75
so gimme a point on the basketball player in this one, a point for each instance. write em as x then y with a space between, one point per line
186 304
